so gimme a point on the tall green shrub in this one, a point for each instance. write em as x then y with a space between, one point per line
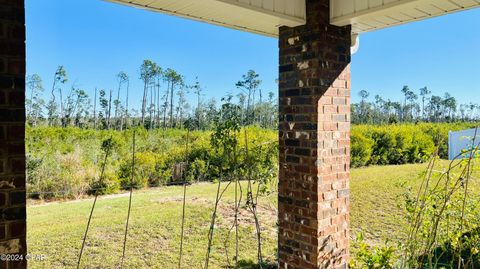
361 149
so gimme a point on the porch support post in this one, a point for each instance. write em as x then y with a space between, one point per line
314 134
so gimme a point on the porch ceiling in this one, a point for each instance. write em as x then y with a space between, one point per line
369 15
256 16
265 16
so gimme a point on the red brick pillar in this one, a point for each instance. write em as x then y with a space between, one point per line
12 131
314 133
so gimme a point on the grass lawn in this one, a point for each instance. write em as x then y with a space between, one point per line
56 229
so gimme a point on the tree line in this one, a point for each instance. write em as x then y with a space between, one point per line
416 106
164 102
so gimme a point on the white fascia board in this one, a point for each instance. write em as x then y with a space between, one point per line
275 18
348 19
291 21
380 13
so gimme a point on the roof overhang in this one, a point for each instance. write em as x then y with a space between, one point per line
257 16
369 15
266 16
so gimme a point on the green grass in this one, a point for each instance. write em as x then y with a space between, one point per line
56 229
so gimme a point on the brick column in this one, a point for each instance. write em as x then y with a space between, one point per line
314 134
12 131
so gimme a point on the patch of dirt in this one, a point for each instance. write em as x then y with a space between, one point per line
245 216
267 217
195 200
267 214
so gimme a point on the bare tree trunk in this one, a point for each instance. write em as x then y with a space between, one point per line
171 104
126 108
29 112
177 117
423 107
260 106
61 108
35 117
95 111
52 102
253 105
152 98
198 111
154 119
248 105
158 104
109 109
166 106
144 101
117 102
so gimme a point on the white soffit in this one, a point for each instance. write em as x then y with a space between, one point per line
369 15
256 16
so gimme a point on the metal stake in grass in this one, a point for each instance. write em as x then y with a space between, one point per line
219 196
107 152
130 200
238 201
184 198
252 204
212 223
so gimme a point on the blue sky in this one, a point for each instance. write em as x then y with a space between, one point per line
95 40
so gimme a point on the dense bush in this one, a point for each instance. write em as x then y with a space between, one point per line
70 159
400 144
67 162
361 149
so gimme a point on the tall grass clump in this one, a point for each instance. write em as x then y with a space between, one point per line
443 217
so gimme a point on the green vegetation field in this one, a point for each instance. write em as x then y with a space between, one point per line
66 164
56 229
71 167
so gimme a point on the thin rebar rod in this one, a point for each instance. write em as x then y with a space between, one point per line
214 215
237 202
236 223
252 204
86 232
129 201
257 226
184 198
237 206
212 224
107 151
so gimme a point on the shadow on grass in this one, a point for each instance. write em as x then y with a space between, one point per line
447 255
248 264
